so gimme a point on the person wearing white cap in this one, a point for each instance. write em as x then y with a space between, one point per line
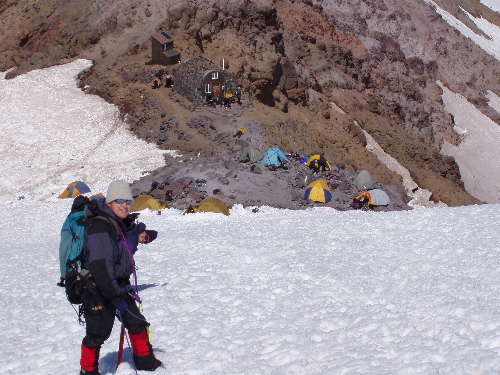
110 243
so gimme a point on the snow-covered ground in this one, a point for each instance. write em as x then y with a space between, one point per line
492 4
479 151
275 292
53 134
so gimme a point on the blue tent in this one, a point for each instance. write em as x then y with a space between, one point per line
274 157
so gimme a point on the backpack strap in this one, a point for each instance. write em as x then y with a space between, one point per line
92 214
114 228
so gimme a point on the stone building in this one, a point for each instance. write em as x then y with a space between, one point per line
196 77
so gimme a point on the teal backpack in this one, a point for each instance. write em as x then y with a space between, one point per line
72 237
73 278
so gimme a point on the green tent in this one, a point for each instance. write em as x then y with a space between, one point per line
364 180
250 155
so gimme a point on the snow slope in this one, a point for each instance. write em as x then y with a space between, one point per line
479 150
60 135
275 292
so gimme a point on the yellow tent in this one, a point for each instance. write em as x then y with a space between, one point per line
318 191
320 183
320 159
209 205
74 189
143 202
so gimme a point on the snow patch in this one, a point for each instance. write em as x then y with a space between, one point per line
478 153
490 45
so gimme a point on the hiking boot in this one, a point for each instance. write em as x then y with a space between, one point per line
143 352
147 362
95 372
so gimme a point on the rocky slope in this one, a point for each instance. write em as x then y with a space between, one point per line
312 72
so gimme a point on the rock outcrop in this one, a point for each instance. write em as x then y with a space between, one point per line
312 73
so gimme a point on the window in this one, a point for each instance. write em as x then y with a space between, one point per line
164 46
208 88
215 75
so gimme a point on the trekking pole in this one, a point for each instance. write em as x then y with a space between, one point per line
120 347
132 351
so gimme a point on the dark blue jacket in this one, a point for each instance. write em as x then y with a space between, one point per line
105 254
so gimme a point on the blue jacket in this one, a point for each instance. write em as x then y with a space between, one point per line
106 255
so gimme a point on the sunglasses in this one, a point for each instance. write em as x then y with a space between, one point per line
121 201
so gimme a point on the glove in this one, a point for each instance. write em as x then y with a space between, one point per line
121 307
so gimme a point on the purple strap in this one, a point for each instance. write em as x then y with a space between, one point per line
131 256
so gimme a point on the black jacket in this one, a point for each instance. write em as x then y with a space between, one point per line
106 255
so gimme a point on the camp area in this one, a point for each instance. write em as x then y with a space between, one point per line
243 178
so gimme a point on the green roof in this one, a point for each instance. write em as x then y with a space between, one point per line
171 53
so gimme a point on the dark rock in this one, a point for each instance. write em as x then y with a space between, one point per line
223 180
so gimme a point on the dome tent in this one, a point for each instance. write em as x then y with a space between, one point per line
318 191
274 156
374 197
144 202
250 155
318 161
74 189
364 180
209 205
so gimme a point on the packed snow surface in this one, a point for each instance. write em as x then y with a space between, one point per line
53 134
274 292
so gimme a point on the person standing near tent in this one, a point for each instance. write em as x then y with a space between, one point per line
109 256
